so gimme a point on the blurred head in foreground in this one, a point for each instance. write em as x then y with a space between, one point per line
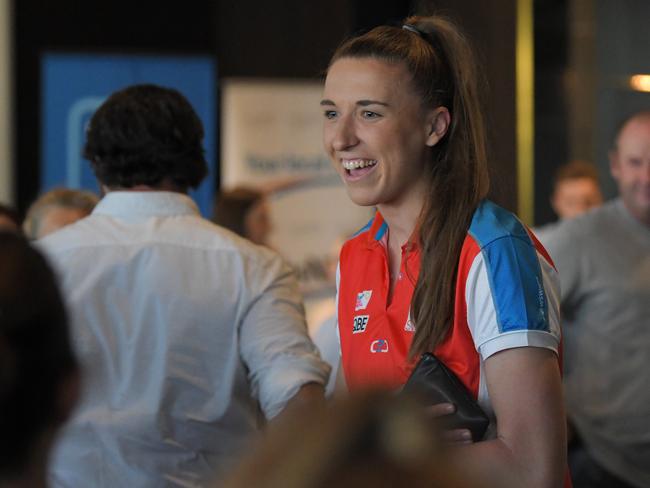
56 209
370 439
38 371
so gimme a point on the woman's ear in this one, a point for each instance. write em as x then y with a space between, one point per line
438 123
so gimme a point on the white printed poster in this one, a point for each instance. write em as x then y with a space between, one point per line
272 139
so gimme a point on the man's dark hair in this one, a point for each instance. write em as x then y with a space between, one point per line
144 135
35 353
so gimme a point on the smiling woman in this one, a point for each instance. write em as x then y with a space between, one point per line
440 268
377 136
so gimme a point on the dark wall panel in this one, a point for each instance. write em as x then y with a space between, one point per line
491 28
116 26
287 38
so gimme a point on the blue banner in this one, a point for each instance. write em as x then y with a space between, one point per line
73 87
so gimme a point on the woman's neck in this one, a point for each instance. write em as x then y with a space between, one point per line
402 216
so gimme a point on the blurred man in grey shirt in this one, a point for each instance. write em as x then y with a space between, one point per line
185 331
603 259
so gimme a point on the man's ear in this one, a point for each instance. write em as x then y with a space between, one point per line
438 124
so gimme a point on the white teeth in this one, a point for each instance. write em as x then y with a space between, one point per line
358 163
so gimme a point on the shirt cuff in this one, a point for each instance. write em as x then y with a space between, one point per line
286 377
519 338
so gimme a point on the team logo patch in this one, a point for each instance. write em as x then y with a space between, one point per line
360 323
379 345
362 300
409 326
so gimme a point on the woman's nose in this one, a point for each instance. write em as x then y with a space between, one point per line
345 135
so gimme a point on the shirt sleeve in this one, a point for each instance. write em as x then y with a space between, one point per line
512 297
274 343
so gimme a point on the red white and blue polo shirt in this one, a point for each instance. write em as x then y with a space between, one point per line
507 296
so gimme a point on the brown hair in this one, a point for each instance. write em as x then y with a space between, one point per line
444 73
575 170
232 207
145 135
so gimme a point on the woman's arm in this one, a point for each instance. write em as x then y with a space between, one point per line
530 450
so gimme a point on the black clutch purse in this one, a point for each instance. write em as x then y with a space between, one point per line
432 382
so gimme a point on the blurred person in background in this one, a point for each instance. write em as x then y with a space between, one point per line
245 211
603 258
9 218
56 209
576 189
440 269
190 336
39 377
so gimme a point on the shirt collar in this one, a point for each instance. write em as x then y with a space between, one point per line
378 231
131 204
378 234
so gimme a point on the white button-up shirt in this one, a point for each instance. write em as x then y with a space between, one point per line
184 331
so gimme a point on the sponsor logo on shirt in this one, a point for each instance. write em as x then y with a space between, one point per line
379 345
360 323
541 297
409 326
362 300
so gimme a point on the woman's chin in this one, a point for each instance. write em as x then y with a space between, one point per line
361 198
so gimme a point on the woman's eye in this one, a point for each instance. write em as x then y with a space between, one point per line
368 114
330 114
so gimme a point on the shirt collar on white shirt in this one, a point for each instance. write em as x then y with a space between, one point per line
145 203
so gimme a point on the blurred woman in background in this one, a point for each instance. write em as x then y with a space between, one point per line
244 211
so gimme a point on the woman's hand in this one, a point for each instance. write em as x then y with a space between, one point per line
450 436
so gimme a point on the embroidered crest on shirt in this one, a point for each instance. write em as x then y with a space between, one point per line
362 300
360 323
379 345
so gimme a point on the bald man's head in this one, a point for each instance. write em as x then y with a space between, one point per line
630 165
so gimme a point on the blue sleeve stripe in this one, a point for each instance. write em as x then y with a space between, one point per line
515 278
513 268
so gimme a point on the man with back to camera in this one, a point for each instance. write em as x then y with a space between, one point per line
603 259
184 330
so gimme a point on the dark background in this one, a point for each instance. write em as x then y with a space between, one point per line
283 39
